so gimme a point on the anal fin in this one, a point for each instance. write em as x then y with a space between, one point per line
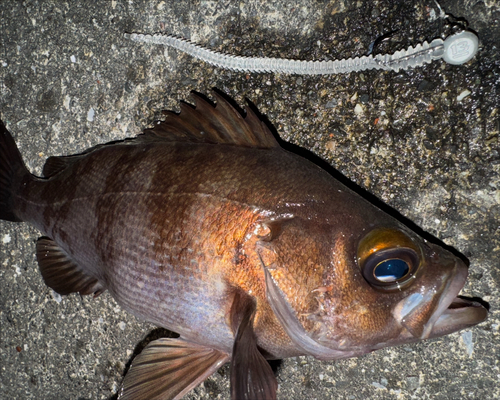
169 368
252 377
60 272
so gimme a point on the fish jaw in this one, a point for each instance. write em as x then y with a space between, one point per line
451 313
460 314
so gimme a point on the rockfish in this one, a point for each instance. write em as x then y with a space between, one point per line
205 226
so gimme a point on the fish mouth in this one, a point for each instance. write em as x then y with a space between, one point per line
455 312
452 312
460 313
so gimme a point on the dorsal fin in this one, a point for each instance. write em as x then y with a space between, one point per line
207 123
56 164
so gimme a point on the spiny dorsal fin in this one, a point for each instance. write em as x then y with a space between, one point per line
168 369
221 124
60 273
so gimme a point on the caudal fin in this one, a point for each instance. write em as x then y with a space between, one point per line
12 169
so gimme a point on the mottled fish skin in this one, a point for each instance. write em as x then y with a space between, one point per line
131 222
204 225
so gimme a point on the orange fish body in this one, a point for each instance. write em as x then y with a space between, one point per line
204 225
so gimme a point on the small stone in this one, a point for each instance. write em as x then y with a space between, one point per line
378 385
331 104
90 115
463 95
412 382
467 340
56 296
425 86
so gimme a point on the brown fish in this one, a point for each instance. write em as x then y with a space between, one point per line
204 225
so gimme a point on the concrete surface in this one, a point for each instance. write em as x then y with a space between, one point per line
69 80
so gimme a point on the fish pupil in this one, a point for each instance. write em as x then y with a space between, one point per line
391 270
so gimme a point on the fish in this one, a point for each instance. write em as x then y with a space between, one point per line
206 226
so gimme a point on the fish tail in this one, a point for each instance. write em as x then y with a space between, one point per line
12 171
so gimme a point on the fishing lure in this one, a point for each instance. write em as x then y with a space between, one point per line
456 49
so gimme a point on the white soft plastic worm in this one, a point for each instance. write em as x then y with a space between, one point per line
456 49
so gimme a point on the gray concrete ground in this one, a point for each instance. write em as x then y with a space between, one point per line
69 80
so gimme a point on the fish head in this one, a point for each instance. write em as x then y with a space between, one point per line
364 291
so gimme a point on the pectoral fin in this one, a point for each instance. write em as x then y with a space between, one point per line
169 368
251 375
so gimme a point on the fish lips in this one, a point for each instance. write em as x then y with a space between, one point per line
461 313
452 312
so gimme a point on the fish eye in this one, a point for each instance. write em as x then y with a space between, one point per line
388 259
391 270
